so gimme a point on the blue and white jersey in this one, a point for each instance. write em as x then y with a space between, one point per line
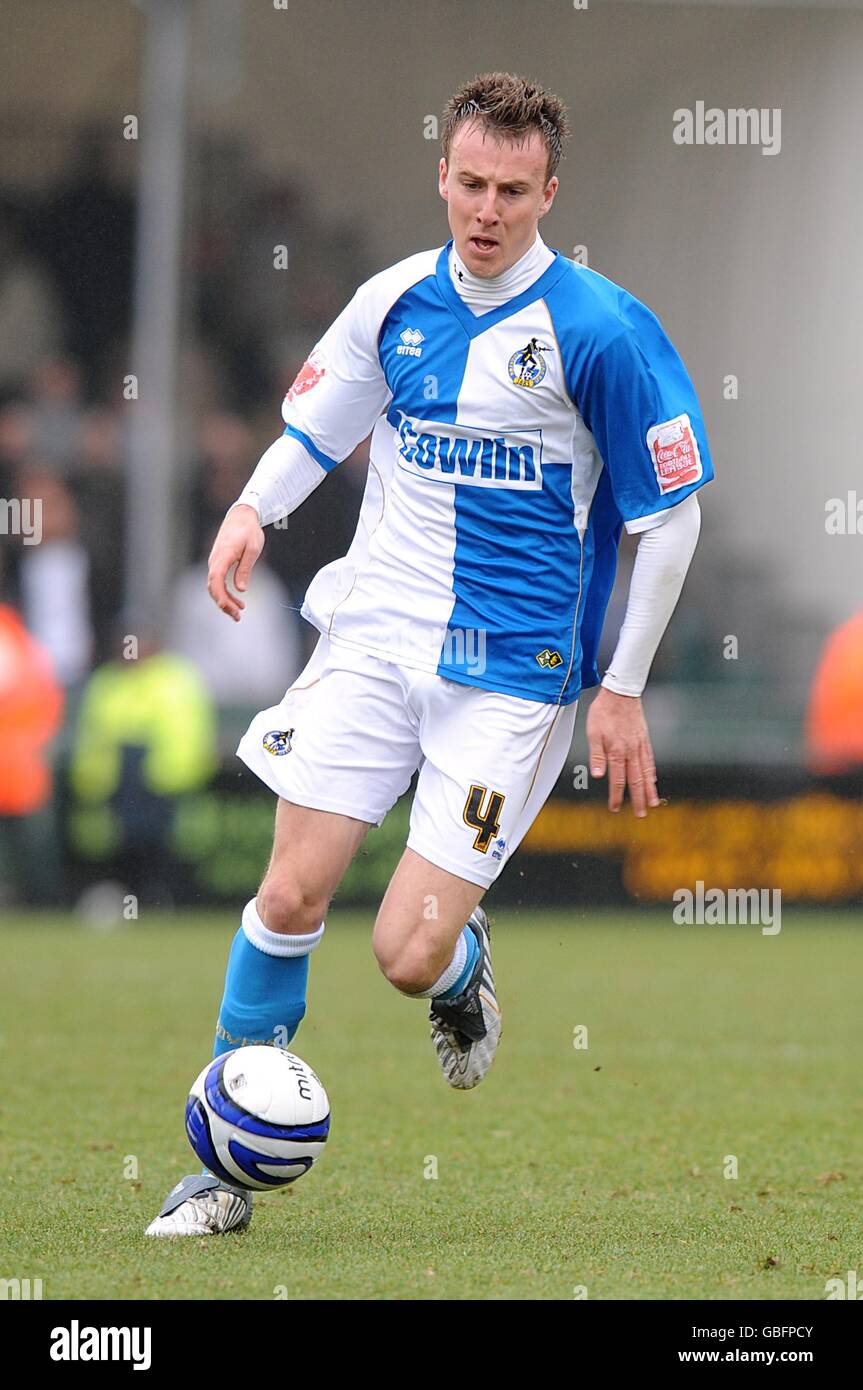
508 451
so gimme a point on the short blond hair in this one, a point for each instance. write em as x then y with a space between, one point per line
509 107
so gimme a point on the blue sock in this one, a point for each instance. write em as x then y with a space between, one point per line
265 985
461 983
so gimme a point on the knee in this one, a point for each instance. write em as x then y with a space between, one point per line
285 905
409 967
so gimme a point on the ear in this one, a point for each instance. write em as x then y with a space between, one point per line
548 195
442 180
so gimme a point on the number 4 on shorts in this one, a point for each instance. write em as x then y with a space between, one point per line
481 817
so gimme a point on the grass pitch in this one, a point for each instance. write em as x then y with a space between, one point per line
598 1169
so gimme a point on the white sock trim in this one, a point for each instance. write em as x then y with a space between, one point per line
451 974
274 943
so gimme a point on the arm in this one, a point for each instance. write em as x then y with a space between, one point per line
333 403
639 403
285 476
617 733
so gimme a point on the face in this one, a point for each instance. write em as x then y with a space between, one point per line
495 192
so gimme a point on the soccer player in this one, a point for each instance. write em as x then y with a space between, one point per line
523 410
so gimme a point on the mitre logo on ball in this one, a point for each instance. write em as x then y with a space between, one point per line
674 451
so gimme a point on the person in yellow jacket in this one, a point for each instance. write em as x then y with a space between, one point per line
146 735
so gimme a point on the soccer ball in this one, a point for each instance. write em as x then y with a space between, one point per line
258 1117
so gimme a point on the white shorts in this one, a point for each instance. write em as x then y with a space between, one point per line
353 729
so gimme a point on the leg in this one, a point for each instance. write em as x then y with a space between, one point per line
420 920
265 986
431 940
490 761
338 752
311 854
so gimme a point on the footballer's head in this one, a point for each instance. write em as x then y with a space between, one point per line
502 142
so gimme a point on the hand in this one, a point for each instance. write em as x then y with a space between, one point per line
619 742
239 542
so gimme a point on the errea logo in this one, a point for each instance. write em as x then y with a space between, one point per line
410 344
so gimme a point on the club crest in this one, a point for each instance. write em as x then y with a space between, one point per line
278 742
527 366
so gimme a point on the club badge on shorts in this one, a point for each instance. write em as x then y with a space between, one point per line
278 742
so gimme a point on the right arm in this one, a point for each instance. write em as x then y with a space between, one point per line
285 476
332 405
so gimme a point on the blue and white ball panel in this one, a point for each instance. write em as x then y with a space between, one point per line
258 1117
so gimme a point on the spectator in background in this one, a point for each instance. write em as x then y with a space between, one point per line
16 439
146 736
100 491
31 707
240 663
273 321
227 449
56 410
53 579
834 721
30 323
85 232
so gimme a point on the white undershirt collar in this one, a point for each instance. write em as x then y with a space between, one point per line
480 294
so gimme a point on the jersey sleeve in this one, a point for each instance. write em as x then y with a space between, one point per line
341 390
638 402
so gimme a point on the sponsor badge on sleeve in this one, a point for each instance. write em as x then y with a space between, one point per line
674 451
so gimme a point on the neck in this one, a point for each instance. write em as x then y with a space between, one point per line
481 293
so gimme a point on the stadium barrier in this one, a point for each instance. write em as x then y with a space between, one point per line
725 827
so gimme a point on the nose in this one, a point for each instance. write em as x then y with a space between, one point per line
487 214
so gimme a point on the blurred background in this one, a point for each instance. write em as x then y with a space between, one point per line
190 191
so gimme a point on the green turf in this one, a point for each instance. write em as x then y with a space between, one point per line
600 1168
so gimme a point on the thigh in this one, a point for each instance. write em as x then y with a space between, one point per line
313 849
343 740
490 761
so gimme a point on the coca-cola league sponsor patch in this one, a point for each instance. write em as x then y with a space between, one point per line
674 451
308 376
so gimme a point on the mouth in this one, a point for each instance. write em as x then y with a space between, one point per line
483 245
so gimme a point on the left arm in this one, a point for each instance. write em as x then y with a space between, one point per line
617 733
